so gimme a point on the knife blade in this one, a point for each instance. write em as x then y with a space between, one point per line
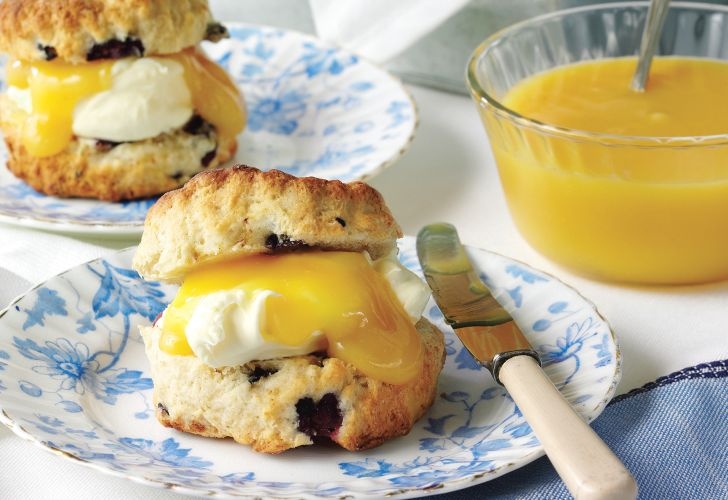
482 324
589 469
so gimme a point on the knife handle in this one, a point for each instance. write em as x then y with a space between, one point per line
585 463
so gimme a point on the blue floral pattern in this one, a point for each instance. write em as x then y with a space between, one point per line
313 109
74 378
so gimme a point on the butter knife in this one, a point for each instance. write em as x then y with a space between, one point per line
589 469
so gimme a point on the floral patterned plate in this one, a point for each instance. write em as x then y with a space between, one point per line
314 109
74 379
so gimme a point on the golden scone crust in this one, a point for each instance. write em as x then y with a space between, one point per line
70 29
262 403
242 210
91 169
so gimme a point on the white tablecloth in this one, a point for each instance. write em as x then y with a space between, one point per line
448 175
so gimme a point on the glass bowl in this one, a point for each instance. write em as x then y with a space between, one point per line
637 209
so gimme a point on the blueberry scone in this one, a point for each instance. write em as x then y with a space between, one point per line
294 321
114 99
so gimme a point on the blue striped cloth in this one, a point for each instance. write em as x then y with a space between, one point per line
672 434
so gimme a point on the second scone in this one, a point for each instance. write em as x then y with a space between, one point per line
114 100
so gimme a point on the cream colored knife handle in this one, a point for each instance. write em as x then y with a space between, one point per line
587 466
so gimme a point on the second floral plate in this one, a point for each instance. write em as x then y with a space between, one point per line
313 109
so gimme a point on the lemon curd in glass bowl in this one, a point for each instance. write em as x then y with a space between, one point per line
614 184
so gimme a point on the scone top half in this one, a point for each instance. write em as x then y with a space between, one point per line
77 31
114 99
272 265
245 211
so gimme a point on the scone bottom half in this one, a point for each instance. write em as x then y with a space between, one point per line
279 404
72 128
276 404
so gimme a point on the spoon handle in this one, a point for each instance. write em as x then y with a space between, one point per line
656 14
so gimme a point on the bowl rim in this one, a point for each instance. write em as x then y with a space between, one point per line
485 100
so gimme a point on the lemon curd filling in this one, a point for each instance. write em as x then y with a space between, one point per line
57 87
337 295
215 96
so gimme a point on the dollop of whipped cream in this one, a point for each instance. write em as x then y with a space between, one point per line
148 96
225 328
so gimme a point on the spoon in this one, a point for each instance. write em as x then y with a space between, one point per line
656 14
